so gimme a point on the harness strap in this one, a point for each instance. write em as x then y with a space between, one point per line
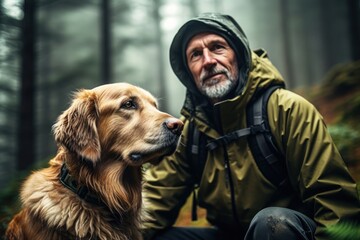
85 194
82 191
195 152
195 142
230 137
266 154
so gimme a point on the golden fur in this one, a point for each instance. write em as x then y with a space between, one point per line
104 137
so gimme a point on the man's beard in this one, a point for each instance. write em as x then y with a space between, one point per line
218 90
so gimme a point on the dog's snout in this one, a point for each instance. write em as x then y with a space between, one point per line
174 125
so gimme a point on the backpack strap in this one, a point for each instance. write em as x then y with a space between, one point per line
268 158
196 156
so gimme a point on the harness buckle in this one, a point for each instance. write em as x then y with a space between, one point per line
258 128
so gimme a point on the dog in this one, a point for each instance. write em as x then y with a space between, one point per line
92 187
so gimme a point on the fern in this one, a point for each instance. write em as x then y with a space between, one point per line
344 231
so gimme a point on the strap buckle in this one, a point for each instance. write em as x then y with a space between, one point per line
258 128
228 138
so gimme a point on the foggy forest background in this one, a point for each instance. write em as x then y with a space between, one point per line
51 48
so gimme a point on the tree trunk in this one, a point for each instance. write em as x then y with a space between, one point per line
284 16
161 61
26 129
106 68
354 26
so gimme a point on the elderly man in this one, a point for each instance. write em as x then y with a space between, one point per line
309 187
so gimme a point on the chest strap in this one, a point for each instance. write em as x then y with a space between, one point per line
230 137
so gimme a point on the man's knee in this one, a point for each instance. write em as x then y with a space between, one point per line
280 223
271 219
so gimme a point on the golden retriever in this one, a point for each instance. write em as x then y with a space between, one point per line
92 187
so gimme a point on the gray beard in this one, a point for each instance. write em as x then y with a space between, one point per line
218 90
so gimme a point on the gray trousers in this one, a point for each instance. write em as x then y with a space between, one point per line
270 223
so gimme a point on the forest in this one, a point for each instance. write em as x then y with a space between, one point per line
51 48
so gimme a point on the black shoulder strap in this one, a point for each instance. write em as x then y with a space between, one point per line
268 158
196 152
196 155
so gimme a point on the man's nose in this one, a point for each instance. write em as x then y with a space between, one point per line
209 59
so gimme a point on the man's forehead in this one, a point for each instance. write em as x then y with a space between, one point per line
205 37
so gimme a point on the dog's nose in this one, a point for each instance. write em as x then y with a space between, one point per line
174 125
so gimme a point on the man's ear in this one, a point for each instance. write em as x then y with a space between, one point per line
76 128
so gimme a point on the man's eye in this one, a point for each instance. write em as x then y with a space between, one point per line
130 104
217 47
195 54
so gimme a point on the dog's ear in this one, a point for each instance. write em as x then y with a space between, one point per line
76 127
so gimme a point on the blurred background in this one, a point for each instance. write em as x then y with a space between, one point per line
51 48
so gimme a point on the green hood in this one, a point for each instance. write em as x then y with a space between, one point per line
256 71
222 25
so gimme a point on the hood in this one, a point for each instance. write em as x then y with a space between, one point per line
220 24
256 72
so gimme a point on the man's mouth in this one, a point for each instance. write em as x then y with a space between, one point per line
212 74
212 79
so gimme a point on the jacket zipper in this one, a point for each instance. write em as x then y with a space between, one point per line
228 179
229 184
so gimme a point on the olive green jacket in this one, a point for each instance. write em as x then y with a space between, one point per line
319 182
318 185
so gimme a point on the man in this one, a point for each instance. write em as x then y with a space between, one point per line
211 57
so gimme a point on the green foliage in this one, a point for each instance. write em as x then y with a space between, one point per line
342 79
352 110
346 139
340 93
344 136
344 231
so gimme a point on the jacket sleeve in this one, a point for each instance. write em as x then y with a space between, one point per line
316 169
166 188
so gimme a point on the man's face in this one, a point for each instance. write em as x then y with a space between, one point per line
213 65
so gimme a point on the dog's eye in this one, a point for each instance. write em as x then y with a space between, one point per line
129 105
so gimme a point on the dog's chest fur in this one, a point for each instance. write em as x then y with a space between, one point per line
69 215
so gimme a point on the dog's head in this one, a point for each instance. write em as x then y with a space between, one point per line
120 121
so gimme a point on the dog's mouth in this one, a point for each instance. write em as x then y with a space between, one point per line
155 153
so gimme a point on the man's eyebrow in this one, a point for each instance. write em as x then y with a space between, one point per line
212 42
191 49
218 41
